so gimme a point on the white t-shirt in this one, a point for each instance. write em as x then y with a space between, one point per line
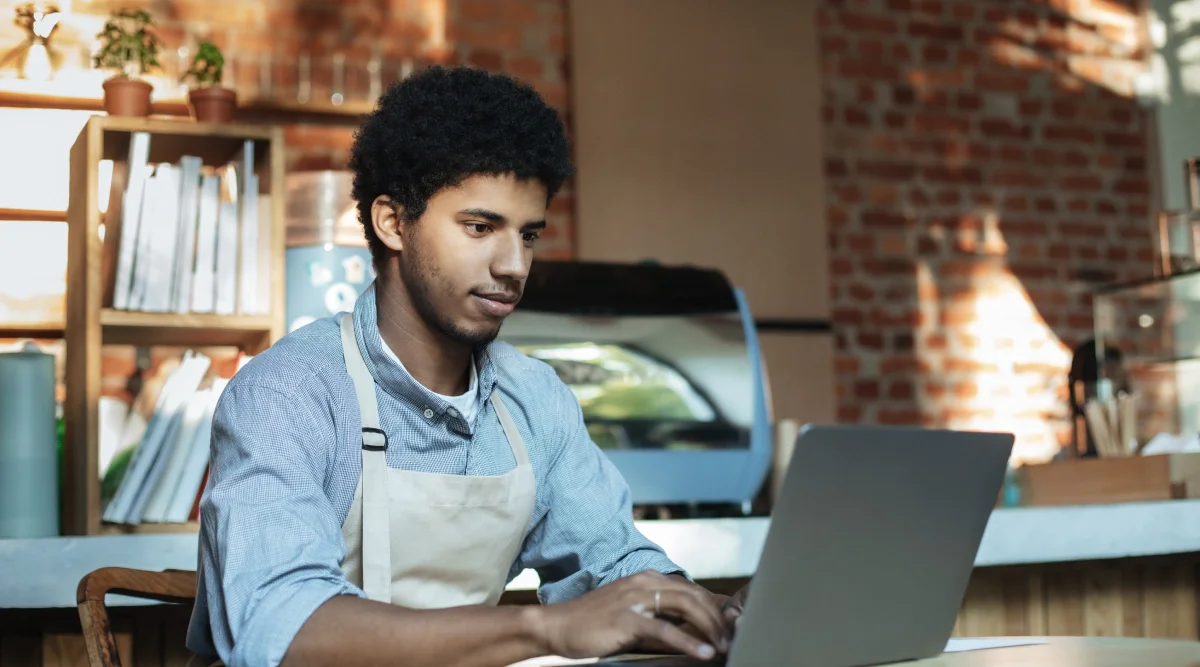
464 403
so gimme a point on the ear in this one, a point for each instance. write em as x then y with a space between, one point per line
385 219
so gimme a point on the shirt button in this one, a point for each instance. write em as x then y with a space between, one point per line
428 413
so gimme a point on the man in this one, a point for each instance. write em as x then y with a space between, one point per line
378 477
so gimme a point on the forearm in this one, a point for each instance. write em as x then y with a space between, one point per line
349 631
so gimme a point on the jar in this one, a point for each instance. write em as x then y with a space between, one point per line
327 261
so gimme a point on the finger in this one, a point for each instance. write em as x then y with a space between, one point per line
713 603
662 632
700 611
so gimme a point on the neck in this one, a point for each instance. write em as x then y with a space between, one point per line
440 364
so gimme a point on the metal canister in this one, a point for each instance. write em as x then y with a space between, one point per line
328 264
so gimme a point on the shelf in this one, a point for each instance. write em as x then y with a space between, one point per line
248 109
123 327
149 528
31 330
31 215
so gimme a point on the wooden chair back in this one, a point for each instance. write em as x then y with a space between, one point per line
176 586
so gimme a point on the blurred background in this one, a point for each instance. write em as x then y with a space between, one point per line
964 214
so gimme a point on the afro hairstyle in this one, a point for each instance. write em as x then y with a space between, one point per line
436 128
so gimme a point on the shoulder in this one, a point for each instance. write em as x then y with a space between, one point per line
305 367
521 375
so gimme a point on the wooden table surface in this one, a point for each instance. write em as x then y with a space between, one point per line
1077 652
1052 652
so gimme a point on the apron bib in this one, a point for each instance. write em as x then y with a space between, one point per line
426 540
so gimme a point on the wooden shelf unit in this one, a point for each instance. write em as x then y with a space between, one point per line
150 528
92 323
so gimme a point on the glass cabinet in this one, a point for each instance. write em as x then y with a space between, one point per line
1147 347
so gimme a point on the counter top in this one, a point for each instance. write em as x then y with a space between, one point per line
43 573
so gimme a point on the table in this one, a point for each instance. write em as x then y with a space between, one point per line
1050 652
1077 652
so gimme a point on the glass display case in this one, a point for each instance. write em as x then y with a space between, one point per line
1147 347
665 364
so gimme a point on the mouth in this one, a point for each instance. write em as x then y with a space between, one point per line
496 304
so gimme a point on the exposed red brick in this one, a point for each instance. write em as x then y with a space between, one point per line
883 220
963 11
855 116
868 23
1028 107
900 389
1046 205
943 31
1002 127
832 44
968 101
1124 140
1080 182
479 10
847 365
1132 186
1089 230
949 174
849 414
901 171
998 82
931 123
892 416
868 69
870 48
935 53
1073 133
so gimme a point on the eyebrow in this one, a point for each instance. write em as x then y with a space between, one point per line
492 216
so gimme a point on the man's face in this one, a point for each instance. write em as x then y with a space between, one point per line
465 261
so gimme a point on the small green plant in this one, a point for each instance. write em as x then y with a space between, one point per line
127 43
208 66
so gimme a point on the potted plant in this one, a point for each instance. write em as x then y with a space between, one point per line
209 101
128 46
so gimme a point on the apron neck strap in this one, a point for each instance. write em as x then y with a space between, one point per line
376 531
515 441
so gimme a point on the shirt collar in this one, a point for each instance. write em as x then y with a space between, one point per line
394 378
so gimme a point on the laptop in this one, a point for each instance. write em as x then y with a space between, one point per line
870 548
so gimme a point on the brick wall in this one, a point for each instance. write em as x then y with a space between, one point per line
986 168
525 38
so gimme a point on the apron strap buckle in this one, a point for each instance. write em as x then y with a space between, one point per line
374 440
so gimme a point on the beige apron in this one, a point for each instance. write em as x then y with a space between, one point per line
426 540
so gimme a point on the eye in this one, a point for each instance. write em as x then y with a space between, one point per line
530 237
479 228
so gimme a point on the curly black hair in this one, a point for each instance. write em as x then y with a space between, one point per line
440 126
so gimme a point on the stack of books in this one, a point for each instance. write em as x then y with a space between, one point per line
188 237
161 468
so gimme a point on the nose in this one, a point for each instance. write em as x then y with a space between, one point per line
512 258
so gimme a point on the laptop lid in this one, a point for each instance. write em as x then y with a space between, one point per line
871 545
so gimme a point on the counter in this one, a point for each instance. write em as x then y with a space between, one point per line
43 573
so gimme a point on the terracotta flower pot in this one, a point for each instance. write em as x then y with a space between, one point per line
124 96
212 104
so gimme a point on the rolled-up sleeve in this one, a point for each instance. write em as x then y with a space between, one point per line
587 537
270 542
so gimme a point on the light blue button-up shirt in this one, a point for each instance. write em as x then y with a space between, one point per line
286 457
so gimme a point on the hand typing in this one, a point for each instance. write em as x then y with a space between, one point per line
646 609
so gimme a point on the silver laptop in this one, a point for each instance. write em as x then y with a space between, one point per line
870 548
